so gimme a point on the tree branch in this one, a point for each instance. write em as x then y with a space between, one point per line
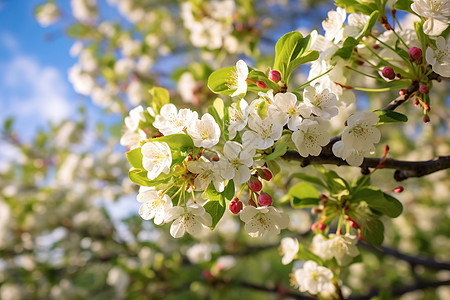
404 169
418 285
402 98
413 260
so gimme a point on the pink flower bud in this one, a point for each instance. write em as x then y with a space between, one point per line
261 84
265 174
313 227
398 189
388 72
423 89
353 224
322 226
264 199
415 53
254 184
235 206
275 76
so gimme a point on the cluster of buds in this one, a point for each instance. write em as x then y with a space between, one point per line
255 187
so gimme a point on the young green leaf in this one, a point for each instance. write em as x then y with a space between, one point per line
310 178
216 210
160 97
372 230
218 81
304 195
280 149
389 116
135 158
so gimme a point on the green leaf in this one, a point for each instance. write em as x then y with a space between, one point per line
347 48
335 183
309 178
176 142
291 51
217 110
139 176
228 192
362 182
404 5
280 149
372 230
389 116
79 31
423 38
262 109
8 124
370 23
212 195
273 166
304 195
216 210
135 158
379 201
218 81
354 6
160 97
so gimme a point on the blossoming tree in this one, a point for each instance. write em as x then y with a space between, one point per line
310 130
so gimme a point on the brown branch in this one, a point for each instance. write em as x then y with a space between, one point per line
418 285
413 260
403 98
404 169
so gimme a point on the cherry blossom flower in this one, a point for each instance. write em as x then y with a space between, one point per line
171 121
343 247
360 132
136 115
289 248
237 163
333 25
439 59
356 24
193 219
293 109
238 113
437 13
206 172
311 137
321 104
205 132
314 279
265 220
354 157
237 79
157 158
154 206
199 253
265 133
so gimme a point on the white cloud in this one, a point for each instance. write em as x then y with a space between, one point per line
7 40
35 92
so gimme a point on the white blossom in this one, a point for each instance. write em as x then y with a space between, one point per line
199 253
135 116
360 132
439 58
356 24
310 137
237 79
265 132
193 219
157 158
206 172
236 163
47 14
353 156
294 110
314 279
265 220
322 104
289 248
154 206
238 113
333 25
171 121
205 132
343 247
437 13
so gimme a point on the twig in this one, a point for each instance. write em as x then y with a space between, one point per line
403 98
404 169
413 260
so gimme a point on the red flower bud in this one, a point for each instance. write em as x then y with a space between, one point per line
322 226
313 227
274 75
264 199
353 224
376 46
399 189
416 102
402 92
426 107
388 73
415 53
254 184
261 84
215 158
235 206
423 89
426 119
265 174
